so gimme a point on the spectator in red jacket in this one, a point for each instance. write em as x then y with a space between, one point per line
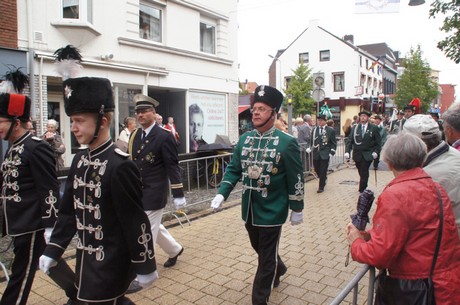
171 127
405 226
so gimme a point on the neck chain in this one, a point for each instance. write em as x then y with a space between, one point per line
355 134
256 169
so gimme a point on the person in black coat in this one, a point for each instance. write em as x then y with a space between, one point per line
102 203
154 150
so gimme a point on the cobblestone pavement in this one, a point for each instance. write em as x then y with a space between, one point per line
218 263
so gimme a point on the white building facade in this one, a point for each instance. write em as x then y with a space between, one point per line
180 52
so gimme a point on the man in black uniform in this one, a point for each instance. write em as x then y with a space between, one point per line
30 200
102 202
154 150
365 141
323 146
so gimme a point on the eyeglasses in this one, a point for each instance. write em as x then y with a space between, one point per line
260 110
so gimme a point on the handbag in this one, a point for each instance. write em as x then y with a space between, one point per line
393 291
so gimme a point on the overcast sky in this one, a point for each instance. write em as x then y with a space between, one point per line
266 26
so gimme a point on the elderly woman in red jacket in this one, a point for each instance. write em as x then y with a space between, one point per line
405 224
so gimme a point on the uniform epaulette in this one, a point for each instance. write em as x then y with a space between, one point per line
121 153
285 132
36 138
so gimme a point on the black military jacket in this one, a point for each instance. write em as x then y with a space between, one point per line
157 160
102 202
30 189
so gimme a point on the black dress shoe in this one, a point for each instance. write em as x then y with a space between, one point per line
134 287
282 272
320 191
172 260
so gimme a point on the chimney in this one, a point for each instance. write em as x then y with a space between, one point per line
349 38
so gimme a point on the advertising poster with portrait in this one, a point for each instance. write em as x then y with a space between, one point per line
207 118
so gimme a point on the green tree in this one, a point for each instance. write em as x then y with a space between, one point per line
450 9
300 88
416 81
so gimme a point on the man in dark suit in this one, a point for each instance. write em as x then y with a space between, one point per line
398 124
154 150
365 141
323 146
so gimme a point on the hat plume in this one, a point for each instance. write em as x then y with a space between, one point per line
68 61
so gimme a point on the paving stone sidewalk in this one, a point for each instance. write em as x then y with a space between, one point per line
218 263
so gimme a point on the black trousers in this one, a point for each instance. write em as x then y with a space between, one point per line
321 170
27 250
265 241
363 170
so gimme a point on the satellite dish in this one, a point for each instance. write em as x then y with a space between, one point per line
318 95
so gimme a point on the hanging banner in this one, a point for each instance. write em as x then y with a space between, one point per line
376 6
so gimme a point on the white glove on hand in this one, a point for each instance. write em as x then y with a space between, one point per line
296 218
308 150
145 280
346 156
217 201
47 235
179 203
45 263
374 155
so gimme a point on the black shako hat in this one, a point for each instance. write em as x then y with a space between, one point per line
15 106
88 94
269 96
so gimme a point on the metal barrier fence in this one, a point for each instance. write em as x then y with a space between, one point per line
202 176
353 285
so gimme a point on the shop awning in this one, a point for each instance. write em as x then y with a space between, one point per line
242 108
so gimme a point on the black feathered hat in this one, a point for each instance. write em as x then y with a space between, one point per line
87 94
14 81
269 96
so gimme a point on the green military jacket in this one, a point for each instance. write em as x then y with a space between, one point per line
272 176
363 147
323 144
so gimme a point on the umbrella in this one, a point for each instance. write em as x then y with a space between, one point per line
214 146
222 139
361 218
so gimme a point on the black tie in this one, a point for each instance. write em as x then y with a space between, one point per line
143 134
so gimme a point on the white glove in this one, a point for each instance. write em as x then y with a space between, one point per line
308 150
346 156
179 203
330 156
145 280
296 218
374 155
47 235
217 201
45 263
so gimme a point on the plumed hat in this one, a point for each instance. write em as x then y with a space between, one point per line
143 101
414 105
87 94
269 96
15 106
82 94
14 82
322 117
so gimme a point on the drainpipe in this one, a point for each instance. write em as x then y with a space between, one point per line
31 57
40 95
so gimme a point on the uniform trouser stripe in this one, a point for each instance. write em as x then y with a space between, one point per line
27 250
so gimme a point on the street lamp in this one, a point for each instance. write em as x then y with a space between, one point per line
278 79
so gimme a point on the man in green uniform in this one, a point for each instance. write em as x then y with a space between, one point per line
323 146
268 161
